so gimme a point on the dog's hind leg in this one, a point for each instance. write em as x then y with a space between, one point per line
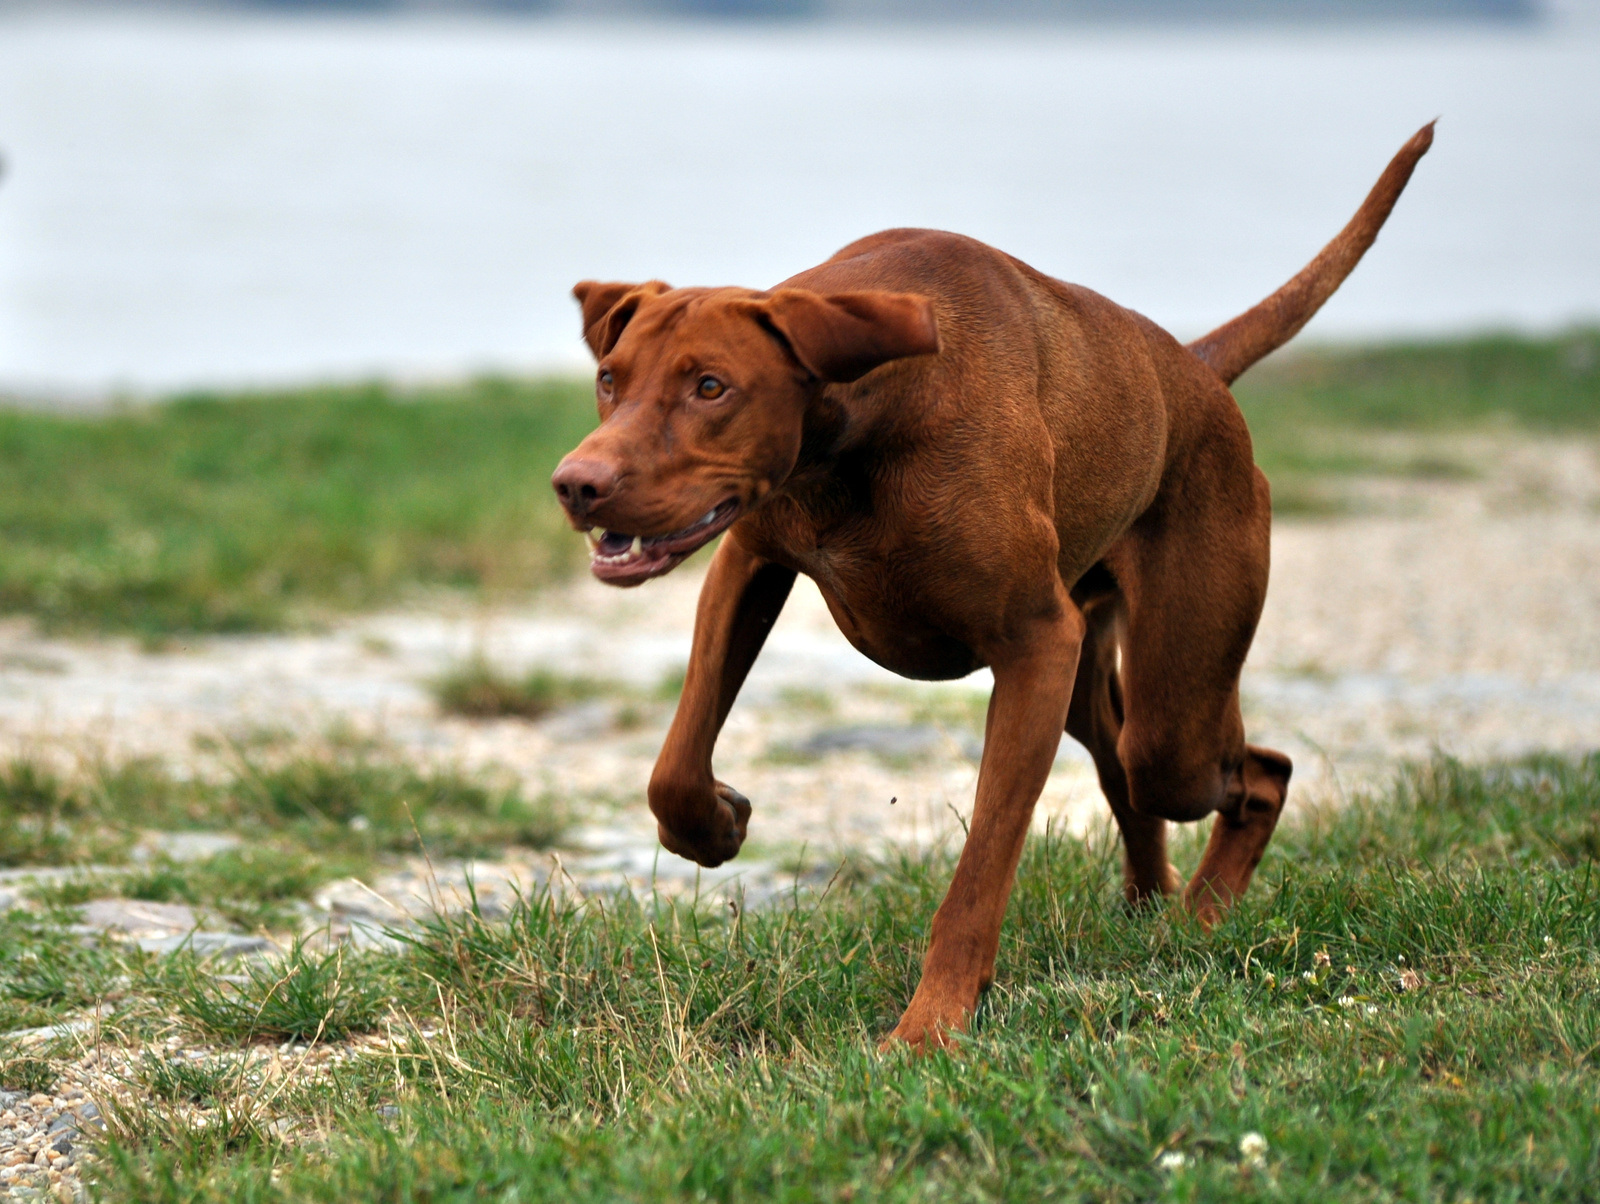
1095 721
1194 573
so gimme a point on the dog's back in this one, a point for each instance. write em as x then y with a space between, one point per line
1050 387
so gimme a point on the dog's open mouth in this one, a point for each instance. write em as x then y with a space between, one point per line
621 559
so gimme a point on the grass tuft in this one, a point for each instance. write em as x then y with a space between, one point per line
1549 384
477 690
28 1073
298 997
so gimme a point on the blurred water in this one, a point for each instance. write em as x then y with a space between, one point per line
191 200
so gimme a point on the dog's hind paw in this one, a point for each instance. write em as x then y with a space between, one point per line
1136 894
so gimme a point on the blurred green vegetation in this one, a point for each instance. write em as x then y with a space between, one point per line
252 512
1320 413
246 513
1548 384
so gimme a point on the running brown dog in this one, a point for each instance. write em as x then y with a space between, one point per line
978 465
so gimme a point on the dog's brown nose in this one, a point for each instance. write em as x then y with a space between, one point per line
583 484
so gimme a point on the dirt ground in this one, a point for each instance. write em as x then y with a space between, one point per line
1460 615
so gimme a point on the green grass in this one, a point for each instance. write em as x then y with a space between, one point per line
306 814
248 513
27 1073
1312 411
476 689
1406 1007
251 887
1548 384
255 512
302 996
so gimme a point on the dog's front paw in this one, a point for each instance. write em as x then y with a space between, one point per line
925 1029
938 1011
717 831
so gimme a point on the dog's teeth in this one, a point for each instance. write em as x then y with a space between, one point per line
638 546
595 534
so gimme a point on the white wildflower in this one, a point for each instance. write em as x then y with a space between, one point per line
1253 1148
1173 1160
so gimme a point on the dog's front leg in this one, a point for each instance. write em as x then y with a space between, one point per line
1027 712
697 816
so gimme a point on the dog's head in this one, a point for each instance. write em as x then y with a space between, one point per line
703 396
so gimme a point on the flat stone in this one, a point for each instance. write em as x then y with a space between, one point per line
139 919
353 897
585 721
184 846
447 888
366 937
645 870
35 875
206 944
890 741
50 1032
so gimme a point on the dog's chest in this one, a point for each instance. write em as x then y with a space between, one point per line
886 623
890 594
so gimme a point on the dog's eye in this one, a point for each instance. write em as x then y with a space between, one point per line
604 381
710 387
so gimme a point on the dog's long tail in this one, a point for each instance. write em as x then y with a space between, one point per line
1233 347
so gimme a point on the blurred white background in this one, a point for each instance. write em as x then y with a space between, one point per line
225 199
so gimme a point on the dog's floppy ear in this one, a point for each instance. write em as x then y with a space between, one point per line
843 336
607 307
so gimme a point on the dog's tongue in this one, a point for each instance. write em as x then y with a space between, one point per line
614 543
